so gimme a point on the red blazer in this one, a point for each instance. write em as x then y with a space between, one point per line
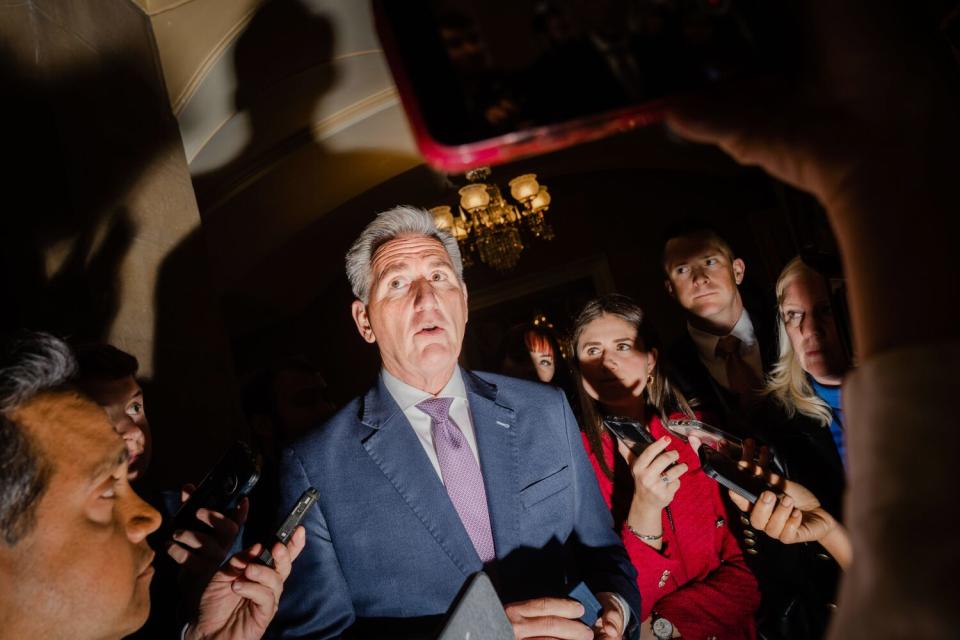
699 581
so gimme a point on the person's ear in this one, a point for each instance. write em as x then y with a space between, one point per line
466 301
362 320
651 360
739 268
669 287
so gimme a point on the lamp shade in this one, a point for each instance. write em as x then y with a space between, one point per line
474 196
443 218
541 200
524 187
459 229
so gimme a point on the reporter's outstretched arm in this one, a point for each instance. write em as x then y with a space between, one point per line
837 543
796 516
243 596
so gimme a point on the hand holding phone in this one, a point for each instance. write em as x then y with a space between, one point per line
201 549
630 432
796 516
233 477
731 475
243 597
477 94
289 524
655 473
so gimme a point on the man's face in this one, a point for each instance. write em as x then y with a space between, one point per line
85 567
808 318
701 276
417 310
122 399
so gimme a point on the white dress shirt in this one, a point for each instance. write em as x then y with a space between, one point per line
717 365
407 398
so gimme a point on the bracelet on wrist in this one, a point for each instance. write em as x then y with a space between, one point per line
643 536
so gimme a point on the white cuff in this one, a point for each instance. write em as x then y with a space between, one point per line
624 609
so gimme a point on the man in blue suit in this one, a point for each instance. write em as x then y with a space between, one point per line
438 472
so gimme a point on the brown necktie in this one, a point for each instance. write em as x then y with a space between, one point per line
740 375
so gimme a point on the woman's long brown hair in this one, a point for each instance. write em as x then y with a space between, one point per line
660 396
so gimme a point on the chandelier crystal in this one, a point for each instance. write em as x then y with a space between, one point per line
489 226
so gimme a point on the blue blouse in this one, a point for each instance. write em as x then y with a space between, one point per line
831 395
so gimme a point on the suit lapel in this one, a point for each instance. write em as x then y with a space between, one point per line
392 444
495 425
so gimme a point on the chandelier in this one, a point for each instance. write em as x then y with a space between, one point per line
488 226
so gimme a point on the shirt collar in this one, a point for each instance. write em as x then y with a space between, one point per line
407 396
707 342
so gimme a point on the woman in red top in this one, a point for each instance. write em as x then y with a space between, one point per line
690 570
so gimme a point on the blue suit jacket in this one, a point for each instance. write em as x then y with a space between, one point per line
384 541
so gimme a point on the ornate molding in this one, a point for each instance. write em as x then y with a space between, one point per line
323 128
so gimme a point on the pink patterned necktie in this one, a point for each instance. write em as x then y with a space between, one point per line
461 475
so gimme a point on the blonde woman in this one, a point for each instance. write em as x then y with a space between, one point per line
805 384
804 420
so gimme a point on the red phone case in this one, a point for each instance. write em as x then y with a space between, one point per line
511 146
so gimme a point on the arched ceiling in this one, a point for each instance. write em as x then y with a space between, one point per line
286 109
289 115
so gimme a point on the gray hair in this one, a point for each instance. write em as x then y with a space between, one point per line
30 364
389 225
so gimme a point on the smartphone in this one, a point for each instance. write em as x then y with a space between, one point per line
289 524
630 432
233 477
709 435
488 81
726 471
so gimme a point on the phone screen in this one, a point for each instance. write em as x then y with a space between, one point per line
475 70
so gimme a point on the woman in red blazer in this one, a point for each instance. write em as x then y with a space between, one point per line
693 580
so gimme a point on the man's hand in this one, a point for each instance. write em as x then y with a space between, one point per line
796 517
243 596
610 626
202 551
548 618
